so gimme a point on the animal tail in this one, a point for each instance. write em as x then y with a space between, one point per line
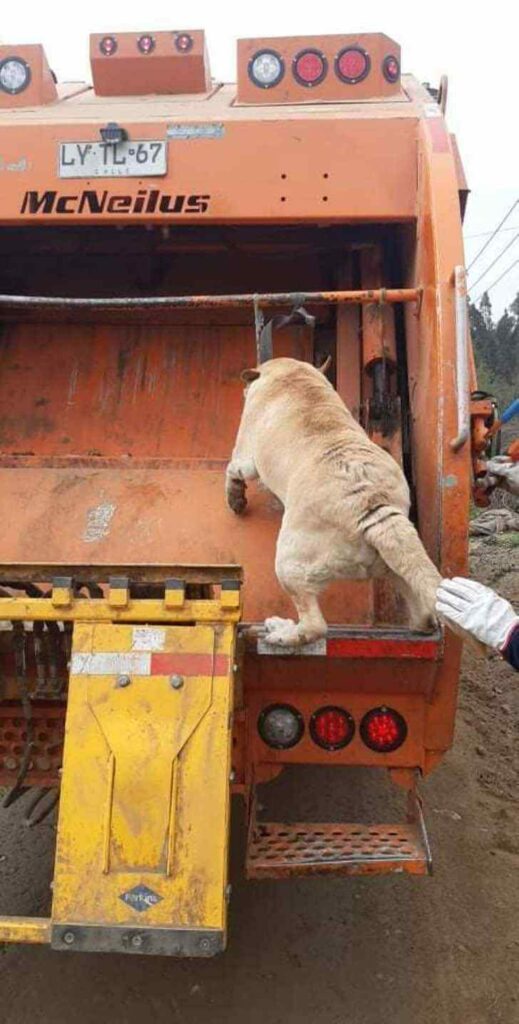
391 533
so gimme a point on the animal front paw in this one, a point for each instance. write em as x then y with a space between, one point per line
237 496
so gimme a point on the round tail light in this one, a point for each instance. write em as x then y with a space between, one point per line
146 44
266 69
309 67
332 728
391 69
383 730
184 42
352 65
281 726
108 45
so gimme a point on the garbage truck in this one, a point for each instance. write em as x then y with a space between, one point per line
160 232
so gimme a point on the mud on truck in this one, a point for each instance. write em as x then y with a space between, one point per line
159 233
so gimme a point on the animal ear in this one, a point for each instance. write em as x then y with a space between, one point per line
326 365
249 375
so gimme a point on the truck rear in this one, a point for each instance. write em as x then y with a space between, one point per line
160 233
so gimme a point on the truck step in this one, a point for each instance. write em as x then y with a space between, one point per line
277 850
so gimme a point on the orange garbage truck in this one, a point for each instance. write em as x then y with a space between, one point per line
160 232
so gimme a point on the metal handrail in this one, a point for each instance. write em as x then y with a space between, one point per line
462 358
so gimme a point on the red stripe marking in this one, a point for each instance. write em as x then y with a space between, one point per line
190 664
349 647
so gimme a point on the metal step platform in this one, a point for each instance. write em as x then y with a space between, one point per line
278 850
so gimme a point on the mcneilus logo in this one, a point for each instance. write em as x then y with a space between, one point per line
146 201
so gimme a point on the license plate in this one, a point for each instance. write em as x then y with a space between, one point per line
112 160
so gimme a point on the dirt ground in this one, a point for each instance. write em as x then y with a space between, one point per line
383 951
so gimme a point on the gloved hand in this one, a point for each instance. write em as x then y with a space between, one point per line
476 609
502 472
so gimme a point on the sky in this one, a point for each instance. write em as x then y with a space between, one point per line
475 48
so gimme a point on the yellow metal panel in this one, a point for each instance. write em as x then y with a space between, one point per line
15 609
145 790
24 929
118 597
61 596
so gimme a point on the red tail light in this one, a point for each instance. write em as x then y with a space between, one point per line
352 65
281 726
146 44
108 45
309 67
184 42
391 69
332 728
383 730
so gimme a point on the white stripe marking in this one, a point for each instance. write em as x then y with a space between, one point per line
146 638
113 664
317 648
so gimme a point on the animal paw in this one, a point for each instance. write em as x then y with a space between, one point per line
282 632
237 498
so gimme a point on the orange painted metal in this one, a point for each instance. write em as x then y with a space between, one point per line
164 70
115 426
378 334
42 86
331 88
220 178
357 702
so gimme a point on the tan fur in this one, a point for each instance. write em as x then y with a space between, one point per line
346 500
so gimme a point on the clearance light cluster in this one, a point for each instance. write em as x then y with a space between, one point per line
310 67
382 729
146 43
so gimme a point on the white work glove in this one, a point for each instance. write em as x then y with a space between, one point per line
502 472
476 609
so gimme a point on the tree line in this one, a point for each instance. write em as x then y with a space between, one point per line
496 349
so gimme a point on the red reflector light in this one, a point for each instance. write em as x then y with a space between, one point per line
332 728
383 730
146 44
352 65
108 45
309 67
184 42
391 69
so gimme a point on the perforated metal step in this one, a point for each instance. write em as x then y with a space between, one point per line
279 850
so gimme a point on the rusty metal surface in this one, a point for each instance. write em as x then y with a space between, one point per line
278 850
47 749
359 296
178 942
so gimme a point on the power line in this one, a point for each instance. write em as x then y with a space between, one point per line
493 235
485 234
502 253
505 272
